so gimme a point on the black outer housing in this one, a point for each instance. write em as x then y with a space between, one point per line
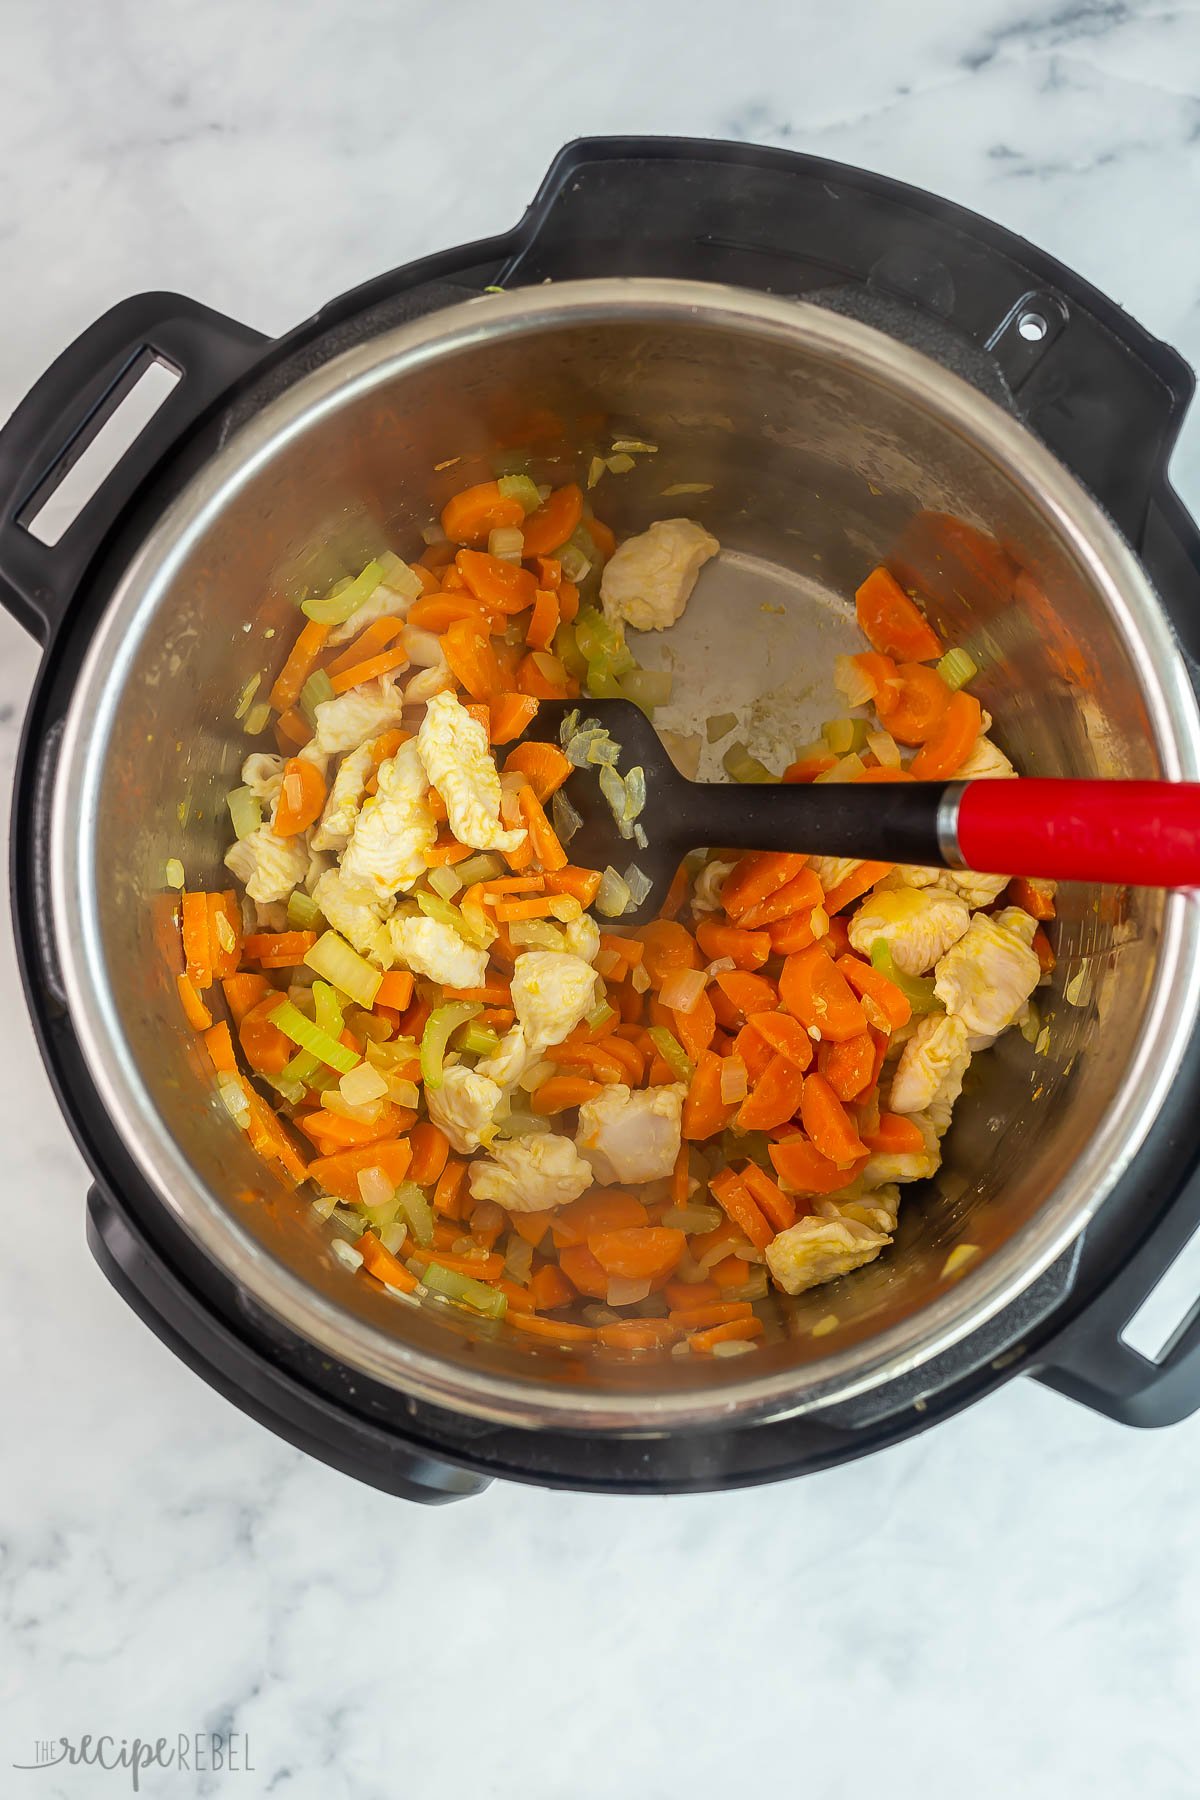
1103 394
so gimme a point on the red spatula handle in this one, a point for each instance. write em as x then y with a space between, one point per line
1146 833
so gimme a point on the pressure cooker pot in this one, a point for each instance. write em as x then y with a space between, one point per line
814 440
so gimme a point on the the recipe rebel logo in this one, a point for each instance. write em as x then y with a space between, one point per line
188 1752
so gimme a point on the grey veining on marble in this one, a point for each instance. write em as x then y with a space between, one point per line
1008 1604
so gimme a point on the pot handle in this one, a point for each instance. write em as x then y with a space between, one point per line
61 416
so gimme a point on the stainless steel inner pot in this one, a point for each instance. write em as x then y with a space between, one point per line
828 448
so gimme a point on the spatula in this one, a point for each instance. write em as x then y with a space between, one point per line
1145 833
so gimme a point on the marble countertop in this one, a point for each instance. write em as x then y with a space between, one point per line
1006 1604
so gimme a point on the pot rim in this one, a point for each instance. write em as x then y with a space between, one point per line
978 1296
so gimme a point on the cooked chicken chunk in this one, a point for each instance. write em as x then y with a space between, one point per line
648 580
918 925
987 762
464 1107
354 912
986 978
345 797
268 867
365 712
454 749
928 1058
529 1174
885 1167
430 948
629 1136
393 830
816 1250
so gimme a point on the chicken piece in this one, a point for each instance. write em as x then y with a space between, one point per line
389 600
422 686
581 938
345 797
919 925
262 773
269 917
268 867
816 1250
628 1136
928 1058
885 1167
831 871
648 580
551 992
988 975
464 1107
940 1110
430 948
319 863
393 830
530 1174
878 1211
976 889
514 1057
354 912
365 712
706 895
987 762
454 749
423 648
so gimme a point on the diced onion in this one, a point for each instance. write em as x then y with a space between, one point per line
958 1259
564 817
739 765
257 719
374 1187
391 1237
726 1347
734 1086
403 1093
824 1325
245 810
362 1085
639 884
423 648
565 907
518 1259
596 469
226 936
956 668
575 565
432 534
246 696
233 1094
535 1074
844 770
507 542
818 922
845 735
721 965
624 1292
687 487
368 1114
719 725
332 957
346 1254
683 989
444 881
851 681
613 896
639 980
692 1219
883 745
175 875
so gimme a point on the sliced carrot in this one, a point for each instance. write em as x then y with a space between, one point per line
680 1295
631 950
680 1178
438 612
746 949
264 1046
548 1286
197 948
504 586
546 847
561 1092
713 1312
668 946
268 1137
796 933
774 1098
468 650
371 642
430 1151
814 991
800 894
224 920
292 730
479 1268
890 621
370 670
855 884
604 1209
879 671
752 1049
747 993
639 1253
511 714
559 1330
582 884
1036 897
633 1058
740 1207
449 1193
544 766
695 1029
591 1058
757 875
848 1066
786 1036
383 1265
244 990
549 572
504 885
877 992
895 1136
339 1174
583 1271
568 601
703 1343
801 1166
677 893
637 1334
953 741
300 663
541 674
395 990
809 767
914 705
1044 951
301 798
194 1009
330 1132
827 1122
554 521
725 1240
881 774
770 1198
704 1111
278 949
472 514
219 1044
543 622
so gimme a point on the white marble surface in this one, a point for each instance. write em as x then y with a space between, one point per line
1011 1603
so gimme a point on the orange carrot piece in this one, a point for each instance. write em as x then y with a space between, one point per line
546 847
301 798
370 670
549 572
548 1286
583 1271
641 1253
299 666
637 1334
704 1342
800 894
877 992
668 946
541 674
504 586
544 766
384 1266
680 1178
224 911
264 1046
809 767
219 1044
774 1098
828 1123
680 1295
367 644
855 884
1035 897
195 1011
559 1093
1044 951
712 1312
602 536
468 650
604 1209
330 1132
511 714
751 1048
914 705
891 622
848 1066
814 991
953 741
748 949
786 1036
895 1135
553 522
792 934
695 1029
560 1330
438 612
278 949
449 1192
801 1166
430 1151
395 990
582 884
779 1207
747 993
740 1207
339 1174
197 946
543 621
268 1137
292 730
704 1111
244 990
473 513
756 876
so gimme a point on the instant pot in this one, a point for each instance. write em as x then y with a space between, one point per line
837 370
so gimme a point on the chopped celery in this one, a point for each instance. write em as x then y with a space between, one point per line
599 1015
719 725
484 867
399 576
245 810
612 897
302 1068
336 607
477 1040
291 1091
303 913
315 692
522 488
602 642
443 1021
741 766
672 1053
332 957
956 668
647 688
327 1009
444 881
845 735
575 565
621 463
416 1210
566 648
293 1024
233 1095
454 1286
434 907
506 543
917 989
257 719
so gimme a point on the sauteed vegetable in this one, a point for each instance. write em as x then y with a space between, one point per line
499 1097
